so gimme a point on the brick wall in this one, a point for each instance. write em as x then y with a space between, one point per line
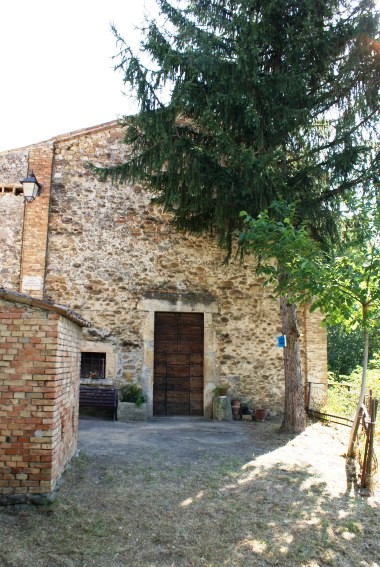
316 340
33 261
67 401
24 229
39 377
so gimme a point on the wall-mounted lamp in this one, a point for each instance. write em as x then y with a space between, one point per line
31 187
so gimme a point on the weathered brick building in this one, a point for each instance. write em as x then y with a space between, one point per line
39 385
165 312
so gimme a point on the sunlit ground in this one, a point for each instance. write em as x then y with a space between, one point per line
271 500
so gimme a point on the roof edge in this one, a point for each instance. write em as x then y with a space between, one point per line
85 131
69 135
17 297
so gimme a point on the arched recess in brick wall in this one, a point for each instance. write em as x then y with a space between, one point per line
162 303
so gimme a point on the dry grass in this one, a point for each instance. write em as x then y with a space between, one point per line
212 510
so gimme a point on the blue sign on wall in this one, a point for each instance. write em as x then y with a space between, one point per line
281 341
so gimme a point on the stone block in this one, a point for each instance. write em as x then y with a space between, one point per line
127 411
221 408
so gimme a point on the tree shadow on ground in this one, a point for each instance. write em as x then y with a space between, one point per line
218 510
287 517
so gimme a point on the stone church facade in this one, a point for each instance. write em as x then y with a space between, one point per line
165 311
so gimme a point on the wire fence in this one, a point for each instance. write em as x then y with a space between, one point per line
325 402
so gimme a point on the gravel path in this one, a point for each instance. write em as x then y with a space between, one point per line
320 448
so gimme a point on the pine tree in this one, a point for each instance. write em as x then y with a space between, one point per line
267 99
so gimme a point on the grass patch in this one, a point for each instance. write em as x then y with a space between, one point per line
147 511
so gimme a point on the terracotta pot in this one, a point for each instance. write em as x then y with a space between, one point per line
235 405
261 414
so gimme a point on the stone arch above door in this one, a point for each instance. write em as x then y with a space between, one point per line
179 303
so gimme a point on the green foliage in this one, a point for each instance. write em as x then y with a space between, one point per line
345 286
341 401
373 379
374 363
220 391
286 254
345 348
132 393
343 395
344 283
348 286
264 100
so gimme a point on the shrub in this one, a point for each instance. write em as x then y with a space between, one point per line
133 394
345 349
343 395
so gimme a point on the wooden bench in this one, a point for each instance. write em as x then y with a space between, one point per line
91 397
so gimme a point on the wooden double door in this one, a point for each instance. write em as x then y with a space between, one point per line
178 364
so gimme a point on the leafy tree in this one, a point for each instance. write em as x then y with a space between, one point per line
344 285
286 256
349 285
266 99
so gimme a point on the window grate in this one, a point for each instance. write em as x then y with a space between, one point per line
93 365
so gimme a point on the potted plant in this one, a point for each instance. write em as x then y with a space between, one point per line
261 414
132 403
220 391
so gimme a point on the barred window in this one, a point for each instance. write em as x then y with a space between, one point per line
93 365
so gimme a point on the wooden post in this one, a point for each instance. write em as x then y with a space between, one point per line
368 455
354 433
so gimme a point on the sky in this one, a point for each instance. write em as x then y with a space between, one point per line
56 69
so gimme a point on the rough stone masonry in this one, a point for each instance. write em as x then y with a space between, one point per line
106 251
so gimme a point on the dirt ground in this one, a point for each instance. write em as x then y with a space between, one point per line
186 493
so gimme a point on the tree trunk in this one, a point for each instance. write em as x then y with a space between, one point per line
355 426
294 411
